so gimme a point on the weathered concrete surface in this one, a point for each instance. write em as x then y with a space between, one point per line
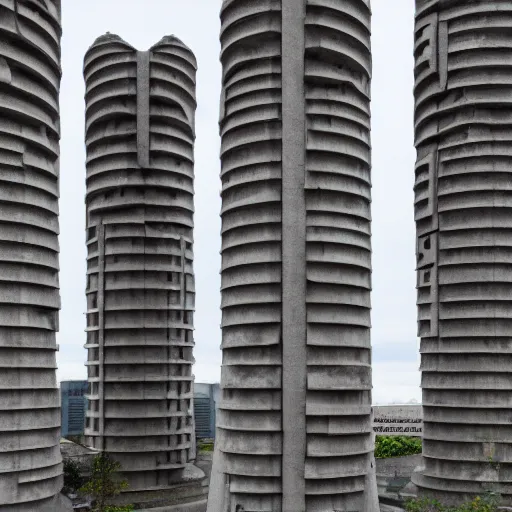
294 421
30 460
463 214
140 109
199 506
390 508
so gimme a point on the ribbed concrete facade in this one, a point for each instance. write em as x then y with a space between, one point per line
30 460
293 427
463 207
140 108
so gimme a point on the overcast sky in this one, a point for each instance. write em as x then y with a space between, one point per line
142 23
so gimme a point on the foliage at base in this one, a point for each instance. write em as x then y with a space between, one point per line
205 447
73 476
104 483
396 446
123 508
487 503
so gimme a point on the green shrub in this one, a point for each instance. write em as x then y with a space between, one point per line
205 447
124 508
103 485
73 475
396 446
487 503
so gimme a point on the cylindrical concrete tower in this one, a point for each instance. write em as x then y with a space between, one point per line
140 108
30 460
293 428
463 210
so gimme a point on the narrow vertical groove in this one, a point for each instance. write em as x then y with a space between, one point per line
140 109
100 233
30 74
143 88
463 214
294 257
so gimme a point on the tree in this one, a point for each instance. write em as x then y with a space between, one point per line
73 478
102 485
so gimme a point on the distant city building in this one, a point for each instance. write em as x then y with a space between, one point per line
73 407
205 403
398 420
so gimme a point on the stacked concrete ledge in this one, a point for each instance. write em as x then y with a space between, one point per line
463 128
140 108
293 428
30 460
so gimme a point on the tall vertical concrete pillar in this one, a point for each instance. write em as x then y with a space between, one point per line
140 108
30 460
463 215
293 427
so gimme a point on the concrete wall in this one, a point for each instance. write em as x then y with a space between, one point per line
30 460
464 217
140 109
294 421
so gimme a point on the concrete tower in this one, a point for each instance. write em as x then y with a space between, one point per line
463 210
30 460
139 135
293 428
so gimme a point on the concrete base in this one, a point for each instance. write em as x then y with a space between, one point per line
390 508
199 506
371 495
192 489
58 504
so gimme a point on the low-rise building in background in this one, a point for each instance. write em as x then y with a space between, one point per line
206 397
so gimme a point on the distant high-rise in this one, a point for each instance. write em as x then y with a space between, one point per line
140 108
30 73
463 211
73 407
293 425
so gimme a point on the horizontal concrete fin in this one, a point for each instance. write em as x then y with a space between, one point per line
250 377
250 465
249 421
251 335
335 467
334 446
352 422
250 400
252 443
339 377
336 335
253 356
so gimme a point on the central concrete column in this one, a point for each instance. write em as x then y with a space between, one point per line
294 257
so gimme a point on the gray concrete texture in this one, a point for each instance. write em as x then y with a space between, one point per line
30 72
139 135
463 215
294 422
